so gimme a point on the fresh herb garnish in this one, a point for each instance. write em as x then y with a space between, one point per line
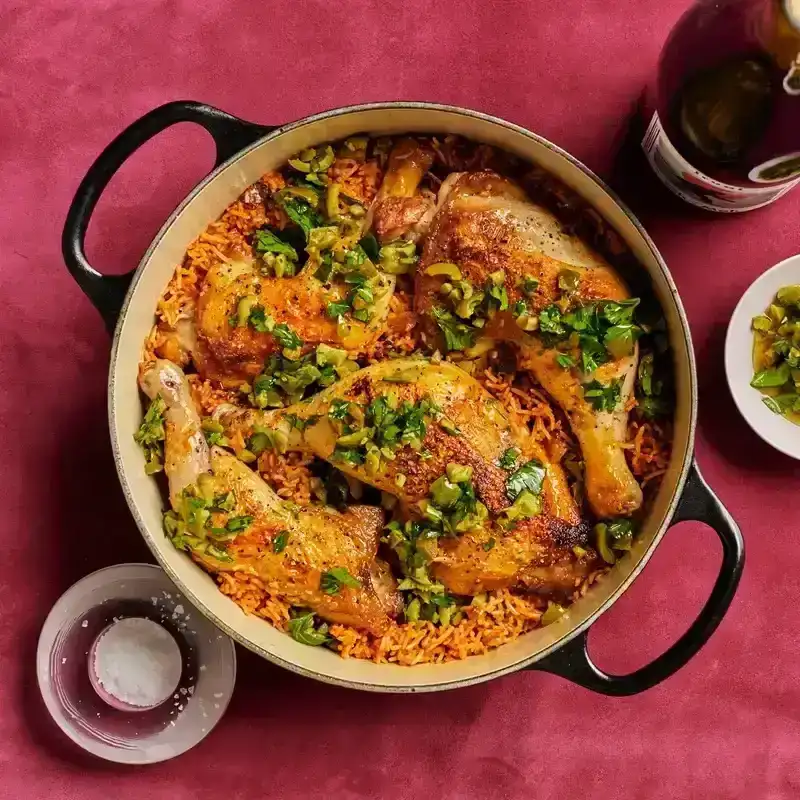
236 524
260 320
603 330
457 335
509 458
529 476
280 541
565 361
337 309
265 241
424 597
603 397
371 433
348 456
551 321
332 581
300 212
150 436
338 409
302 629
288 339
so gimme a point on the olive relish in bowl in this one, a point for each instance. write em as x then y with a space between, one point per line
776 353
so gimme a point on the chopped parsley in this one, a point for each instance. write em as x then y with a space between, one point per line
302 628
565 361
369 434
337 309
300 212
150 436
602 330
284 381
603 397
236 524
332 581
260 320
509 458
265 241
457 335
424 597
288 339
280 541
529 476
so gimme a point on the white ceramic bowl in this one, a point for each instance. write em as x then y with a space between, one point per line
774 429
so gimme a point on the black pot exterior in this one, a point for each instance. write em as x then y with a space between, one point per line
570 659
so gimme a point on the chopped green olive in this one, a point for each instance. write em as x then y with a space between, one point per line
330 355
603 544
569 280
397 258
444 493
526 505
789 296
553 613
243 309
762 323
445 269
323 238
458 473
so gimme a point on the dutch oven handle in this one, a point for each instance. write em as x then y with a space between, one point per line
572 661
230 134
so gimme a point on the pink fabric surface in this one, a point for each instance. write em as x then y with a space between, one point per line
72 75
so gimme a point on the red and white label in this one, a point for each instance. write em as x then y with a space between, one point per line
678 175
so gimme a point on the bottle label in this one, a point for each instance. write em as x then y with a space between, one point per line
678 175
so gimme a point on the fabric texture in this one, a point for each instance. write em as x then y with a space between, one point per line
72 75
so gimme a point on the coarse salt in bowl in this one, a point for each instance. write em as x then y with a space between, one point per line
135 664
107 708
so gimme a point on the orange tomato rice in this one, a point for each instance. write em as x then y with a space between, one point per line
503 615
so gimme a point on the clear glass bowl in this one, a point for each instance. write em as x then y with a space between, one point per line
128 737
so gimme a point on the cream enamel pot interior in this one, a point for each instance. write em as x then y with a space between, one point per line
245 151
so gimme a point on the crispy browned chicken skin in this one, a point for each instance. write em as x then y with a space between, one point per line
485 224
536 555
317 538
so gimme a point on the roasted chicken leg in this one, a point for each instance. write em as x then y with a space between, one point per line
465 426
486 226
244 519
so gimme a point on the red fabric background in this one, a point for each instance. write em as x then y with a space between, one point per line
72 74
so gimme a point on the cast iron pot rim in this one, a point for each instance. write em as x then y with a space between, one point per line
594 615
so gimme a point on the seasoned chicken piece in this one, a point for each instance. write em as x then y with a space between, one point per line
611 488
468 427
485 225
318 539
235 353
535 556
177 344
314 540
401 210
185 449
